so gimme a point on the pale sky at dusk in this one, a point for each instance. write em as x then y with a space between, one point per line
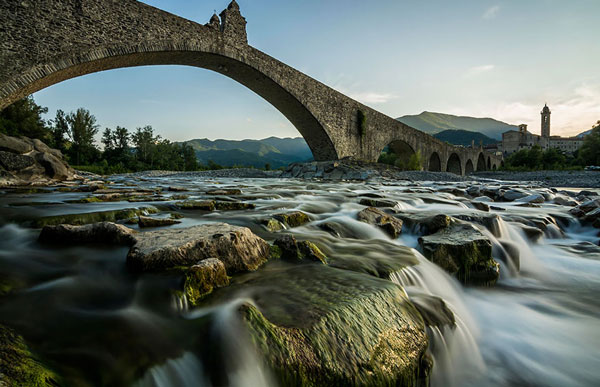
499 59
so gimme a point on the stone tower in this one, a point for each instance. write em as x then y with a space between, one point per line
233 24
545 121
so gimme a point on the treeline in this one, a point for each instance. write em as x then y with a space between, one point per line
554 159
74 135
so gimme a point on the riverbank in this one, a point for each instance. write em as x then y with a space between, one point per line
352 170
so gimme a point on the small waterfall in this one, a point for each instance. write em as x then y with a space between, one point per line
448 344
186 371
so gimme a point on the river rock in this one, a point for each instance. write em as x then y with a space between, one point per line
147 221
348 329
238 248
293 219
14 145
464 251
481 206
224 192
513 194
54 167
15 162
93 217
377 203
564 201
202 278
273 225
103 232
233 206
376 217
535 198
299 251
425 223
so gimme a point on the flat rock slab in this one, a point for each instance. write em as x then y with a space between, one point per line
237 247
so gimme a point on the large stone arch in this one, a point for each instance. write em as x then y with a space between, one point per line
97 35
469 169
435 163
453 164
480 163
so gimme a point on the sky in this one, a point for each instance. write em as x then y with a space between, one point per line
480 58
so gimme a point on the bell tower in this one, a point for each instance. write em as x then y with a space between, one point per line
545 121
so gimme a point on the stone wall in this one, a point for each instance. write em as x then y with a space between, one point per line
44 42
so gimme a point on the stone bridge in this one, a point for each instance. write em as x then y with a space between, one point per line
43 42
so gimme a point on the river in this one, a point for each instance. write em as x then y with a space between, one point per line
98 324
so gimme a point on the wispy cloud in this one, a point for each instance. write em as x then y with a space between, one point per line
372 97
477 70
491 12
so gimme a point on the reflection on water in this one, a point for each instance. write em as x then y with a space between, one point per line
99 324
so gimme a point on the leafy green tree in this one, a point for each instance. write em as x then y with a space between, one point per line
553 158
145 144
59 131
24 118
82 129
190 161
589 152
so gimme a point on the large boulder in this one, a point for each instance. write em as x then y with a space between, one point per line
386 222
55 168
462 250
345 329
15 162
14 145
238 248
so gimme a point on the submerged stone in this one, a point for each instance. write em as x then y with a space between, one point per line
93 217
204 205
224 192
202 278
234 206
147 221
273 225
376 217
104 232
463 251
425 223
377 203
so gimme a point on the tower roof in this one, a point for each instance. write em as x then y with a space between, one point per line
546 109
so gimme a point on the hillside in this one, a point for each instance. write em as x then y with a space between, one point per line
433 123
278 152
463 137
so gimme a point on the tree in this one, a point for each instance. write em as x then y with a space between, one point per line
190 161
24 118
145 142
82 129
590 149
59 130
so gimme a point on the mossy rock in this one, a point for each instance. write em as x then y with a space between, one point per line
93 217
19 366
463 251
299 250
273 225
201 279
293 219
203 205
234 206
319 326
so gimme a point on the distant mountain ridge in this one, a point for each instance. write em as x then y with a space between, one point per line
464 137
277 152
432 123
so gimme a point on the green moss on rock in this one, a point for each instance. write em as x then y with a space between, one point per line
19 366
201 279
293 219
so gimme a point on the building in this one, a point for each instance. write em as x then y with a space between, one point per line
515 140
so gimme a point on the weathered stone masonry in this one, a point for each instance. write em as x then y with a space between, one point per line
43 42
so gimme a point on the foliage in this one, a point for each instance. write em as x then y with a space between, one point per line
362 123
24 118
413 163
536 159
589 152
82 128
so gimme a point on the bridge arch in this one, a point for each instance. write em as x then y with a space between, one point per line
469 167
454 165
480 163
435 164
400 154
489 163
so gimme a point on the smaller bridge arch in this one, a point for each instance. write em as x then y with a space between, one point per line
435 164
489 163
469 167
481 163
454 165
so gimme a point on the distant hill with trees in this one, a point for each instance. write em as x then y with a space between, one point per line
274 151
463 137
433 123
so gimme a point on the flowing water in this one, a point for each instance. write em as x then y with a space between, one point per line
98 324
